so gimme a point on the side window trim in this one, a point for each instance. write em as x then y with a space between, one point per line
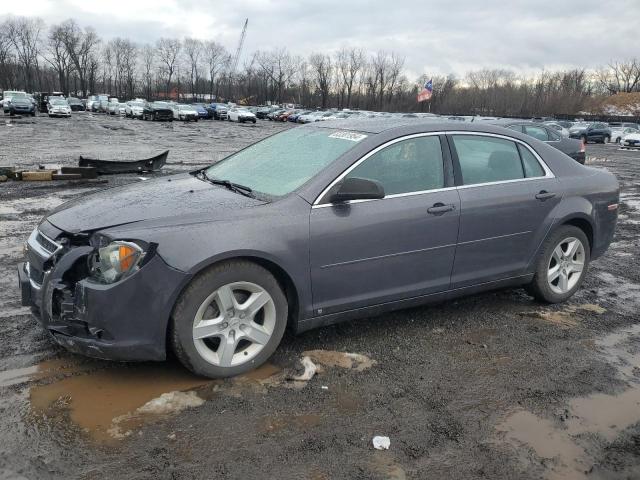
446 158
458 172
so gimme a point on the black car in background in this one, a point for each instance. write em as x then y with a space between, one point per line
591 132
76 104
22 106
572 147
160 111
220 111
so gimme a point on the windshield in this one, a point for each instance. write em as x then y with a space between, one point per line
279 164
136 104
56 101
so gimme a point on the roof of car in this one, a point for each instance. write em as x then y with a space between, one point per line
379 125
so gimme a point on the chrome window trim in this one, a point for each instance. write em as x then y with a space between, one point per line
545 167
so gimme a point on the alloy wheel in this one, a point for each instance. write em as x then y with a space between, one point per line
234 323
566 265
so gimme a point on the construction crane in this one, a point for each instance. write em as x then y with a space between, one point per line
236 57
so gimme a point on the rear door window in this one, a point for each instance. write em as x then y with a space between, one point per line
532 167
536 132
484 159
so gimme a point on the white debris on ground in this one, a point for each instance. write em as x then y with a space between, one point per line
310 370
171 402
381 443
167 403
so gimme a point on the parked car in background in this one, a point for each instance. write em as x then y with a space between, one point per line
21 106
75 104
570 146
113 107
203 113
58 107
7 95
121 109
134 109
220 111
241 115
591 132
184 112
312 117
631 140
305 229
294 116
558 127
157 111
620 129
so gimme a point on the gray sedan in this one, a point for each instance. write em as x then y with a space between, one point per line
309 227
573 147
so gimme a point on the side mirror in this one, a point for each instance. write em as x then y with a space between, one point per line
356 189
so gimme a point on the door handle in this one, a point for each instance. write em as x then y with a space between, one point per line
440 208
544 195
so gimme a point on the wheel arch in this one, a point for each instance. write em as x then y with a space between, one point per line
584 223
281 274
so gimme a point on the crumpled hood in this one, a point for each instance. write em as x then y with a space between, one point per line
176 196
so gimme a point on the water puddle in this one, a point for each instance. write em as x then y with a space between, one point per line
93 401
112 403
564 445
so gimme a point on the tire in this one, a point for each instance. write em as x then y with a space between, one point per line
606 139
552 292
200 300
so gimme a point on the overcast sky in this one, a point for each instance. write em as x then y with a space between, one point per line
435 37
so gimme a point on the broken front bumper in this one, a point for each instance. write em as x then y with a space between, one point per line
126 320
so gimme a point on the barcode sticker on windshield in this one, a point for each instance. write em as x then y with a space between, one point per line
353 136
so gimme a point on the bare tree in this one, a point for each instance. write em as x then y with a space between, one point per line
193 50
323 74
349 64
215 56
148 58
24 35
58 56
81 46
5 56
279 67
168 50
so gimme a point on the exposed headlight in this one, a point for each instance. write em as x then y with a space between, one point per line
116 261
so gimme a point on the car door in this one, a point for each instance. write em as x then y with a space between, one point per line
501 207
369 252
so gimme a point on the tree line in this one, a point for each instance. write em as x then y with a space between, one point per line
75 60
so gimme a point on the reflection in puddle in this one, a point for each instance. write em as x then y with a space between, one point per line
603 415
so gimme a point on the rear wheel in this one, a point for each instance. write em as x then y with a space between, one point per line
229 320
561 266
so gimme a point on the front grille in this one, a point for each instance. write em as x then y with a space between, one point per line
46 244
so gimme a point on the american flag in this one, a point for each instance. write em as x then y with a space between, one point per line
427 91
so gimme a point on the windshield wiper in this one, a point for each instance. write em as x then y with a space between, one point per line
234 187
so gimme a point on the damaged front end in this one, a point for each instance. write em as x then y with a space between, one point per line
99 297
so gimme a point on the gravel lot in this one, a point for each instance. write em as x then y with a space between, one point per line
490 386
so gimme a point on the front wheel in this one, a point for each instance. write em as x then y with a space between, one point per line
561 266
229 320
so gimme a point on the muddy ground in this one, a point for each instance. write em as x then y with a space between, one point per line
490 386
